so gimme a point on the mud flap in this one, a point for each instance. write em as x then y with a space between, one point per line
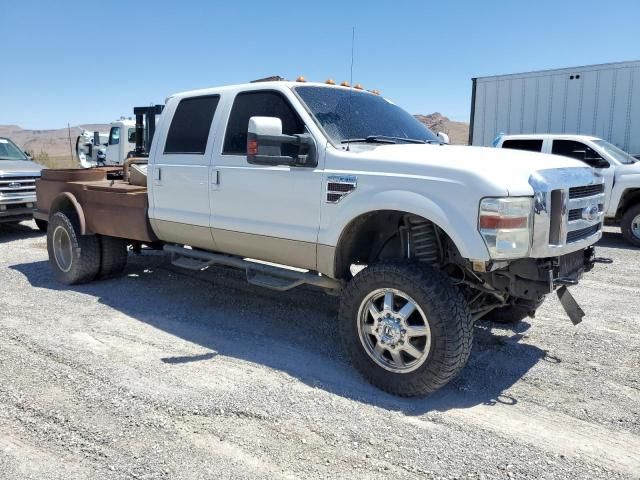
576 314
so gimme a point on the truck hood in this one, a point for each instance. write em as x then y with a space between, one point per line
507 171
624 170
19 166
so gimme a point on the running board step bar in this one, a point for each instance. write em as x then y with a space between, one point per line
269 276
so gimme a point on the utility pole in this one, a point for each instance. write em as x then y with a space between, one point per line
70 147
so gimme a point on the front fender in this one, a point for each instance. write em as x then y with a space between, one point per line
460 229
622 185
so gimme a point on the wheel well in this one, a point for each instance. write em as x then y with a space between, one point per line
388 235
66 202
629 197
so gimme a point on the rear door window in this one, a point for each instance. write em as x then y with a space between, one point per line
522 144
190 125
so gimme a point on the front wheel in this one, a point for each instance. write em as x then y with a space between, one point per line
630 225
405 327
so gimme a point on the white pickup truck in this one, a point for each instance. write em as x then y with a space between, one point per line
339 188
620 170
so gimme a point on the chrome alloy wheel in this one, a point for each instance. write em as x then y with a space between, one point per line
635 226
394 330
62 249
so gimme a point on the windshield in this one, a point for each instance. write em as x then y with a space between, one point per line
9 150
353 115
618 154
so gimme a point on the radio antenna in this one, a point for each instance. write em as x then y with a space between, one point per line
353 41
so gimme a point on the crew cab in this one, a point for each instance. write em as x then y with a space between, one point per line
621 172
338 187
18 174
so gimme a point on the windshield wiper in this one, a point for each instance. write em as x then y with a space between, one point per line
370 139
387 139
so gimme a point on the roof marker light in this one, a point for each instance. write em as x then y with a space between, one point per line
301 79
345 84
358 86
330 81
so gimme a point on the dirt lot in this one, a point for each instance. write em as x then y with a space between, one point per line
161 374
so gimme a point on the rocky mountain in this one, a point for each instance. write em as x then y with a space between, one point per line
458 131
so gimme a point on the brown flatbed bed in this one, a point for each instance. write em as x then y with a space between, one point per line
104 206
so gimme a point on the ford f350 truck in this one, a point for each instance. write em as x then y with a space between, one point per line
339 188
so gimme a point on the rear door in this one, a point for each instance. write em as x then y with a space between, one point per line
265 212
179 180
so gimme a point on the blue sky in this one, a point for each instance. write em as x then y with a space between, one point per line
83 62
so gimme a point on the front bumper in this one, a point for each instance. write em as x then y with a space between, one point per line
531 279
16 212
568 210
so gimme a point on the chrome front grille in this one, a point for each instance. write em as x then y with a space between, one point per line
586 191
576 235
569 210
17 188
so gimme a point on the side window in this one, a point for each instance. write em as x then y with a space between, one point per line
521 144
131 134
254 104
114 136
573 149
190 125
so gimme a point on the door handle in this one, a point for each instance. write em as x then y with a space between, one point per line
157 174
215 177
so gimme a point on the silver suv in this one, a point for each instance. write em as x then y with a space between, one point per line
18 174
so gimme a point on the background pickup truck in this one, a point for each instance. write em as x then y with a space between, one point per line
339 188
620 171
18 174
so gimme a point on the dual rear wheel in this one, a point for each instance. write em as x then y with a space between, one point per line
77 258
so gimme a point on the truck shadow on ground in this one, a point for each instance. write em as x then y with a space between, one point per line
295 332
614 239
13 232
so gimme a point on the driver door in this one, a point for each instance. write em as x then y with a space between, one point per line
269 213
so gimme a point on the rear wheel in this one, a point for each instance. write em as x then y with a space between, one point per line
113 255
405 327
74 258
630 225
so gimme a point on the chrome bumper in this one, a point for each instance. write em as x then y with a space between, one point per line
566 217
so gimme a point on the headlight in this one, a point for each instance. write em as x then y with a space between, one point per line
505 225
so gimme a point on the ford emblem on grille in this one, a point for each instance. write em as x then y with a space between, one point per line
14 185
590 213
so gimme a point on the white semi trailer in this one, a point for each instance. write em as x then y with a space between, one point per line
596 100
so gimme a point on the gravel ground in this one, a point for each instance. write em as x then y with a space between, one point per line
162 374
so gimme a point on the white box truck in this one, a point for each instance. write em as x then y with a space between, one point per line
596 100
